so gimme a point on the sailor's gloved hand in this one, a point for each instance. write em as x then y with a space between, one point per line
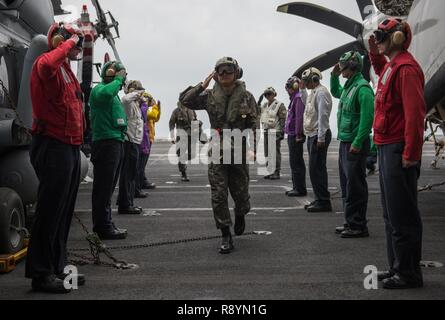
373 49
122 73
336 72
209 79
74 38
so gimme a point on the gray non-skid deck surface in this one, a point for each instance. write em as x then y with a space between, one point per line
302 259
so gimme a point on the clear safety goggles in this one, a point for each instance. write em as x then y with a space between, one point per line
228 69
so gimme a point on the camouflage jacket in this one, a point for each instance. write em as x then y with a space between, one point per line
235 111
182 118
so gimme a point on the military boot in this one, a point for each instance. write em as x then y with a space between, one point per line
184 177
226 242
240 225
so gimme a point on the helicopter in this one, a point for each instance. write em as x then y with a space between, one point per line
23 28
425 18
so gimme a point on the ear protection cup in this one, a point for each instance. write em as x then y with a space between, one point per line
398 38
240 73
295 86
111 72
57 40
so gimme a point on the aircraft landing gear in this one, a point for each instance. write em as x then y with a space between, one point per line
12 222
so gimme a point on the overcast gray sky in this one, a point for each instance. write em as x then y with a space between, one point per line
171 44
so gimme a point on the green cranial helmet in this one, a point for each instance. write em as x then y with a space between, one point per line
351 60
110 69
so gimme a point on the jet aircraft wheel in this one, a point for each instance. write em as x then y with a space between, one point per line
12 222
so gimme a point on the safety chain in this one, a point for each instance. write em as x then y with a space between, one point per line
14 108
96 248
160 244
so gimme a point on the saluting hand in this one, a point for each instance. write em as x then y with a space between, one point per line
373 46
75 38
209 79
336 71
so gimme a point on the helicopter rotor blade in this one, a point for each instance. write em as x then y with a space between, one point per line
323 15
330 58
113 47
366 8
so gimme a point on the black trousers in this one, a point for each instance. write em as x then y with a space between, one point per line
107 159
297 165
400 210
57 166
354 186
277 151
317 167
128 175
142 164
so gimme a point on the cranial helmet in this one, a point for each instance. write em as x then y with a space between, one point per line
60 32
228 61
351 60
110 69
293 83
399 32
270 90
312 74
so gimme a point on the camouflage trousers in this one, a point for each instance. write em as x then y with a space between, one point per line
224 178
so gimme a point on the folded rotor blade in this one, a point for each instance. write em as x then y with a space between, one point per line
330 58
323 15
366 8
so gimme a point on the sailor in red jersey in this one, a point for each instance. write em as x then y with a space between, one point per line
398 132
58 126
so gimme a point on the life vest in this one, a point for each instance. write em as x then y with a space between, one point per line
311 113
57 99
269 114
387 106
348 116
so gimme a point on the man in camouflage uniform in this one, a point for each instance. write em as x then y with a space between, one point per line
182 119
230 107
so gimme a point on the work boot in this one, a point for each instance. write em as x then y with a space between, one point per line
148 186
268 177
275 176
309 205
112 234
383 275
240 225
184 177
141 195
340 230
130 211
320 206
227 242
397 283
295 194
355 233
49 284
